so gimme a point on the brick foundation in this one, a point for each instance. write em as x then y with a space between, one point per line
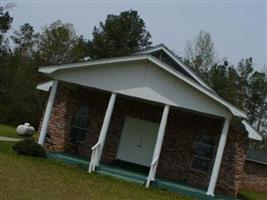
182 131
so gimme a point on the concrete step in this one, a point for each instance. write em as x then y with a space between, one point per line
181 189
69 159
122 174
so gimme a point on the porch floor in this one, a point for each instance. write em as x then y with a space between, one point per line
136 176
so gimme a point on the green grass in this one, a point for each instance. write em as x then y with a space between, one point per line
23 177
8 131
250 195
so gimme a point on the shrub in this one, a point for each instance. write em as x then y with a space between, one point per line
29 147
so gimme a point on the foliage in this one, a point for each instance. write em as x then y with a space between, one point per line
227 89
29 147
22 80
119 35
200 53
24 40
241 85
5 23
58 42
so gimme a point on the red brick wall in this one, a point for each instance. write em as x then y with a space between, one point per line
182 131
60 120
255 177
231 172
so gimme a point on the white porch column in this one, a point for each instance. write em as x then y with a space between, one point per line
48 111
158 145
218 159
105 125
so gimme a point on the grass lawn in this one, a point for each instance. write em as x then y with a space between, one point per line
27 178
250 195
8 131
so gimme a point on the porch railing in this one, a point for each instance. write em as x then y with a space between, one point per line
94 157
152 171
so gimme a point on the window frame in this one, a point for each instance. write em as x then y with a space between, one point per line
79 114
195 155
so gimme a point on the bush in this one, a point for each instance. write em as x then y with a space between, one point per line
29 147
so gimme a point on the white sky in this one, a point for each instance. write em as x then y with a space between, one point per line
238 28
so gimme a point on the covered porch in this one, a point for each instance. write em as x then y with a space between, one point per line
135 131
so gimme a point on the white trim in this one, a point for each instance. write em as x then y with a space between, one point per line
105 125
53 68
45 86
218 158
48 112
158 146
252 132
169 53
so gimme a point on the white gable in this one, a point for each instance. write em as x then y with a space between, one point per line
145 80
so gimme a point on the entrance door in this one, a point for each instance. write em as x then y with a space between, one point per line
137 141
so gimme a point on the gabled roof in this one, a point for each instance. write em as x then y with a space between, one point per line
234 110
178 65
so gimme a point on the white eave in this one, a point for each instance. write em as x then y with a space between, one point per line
51 69
45 86
252 133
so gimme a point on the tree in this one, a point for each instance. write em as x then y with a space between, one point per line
201 54
244 69
81 50
223 79
5 74
119 35
56 43
5 22
256 107
256 103
24 39
24 79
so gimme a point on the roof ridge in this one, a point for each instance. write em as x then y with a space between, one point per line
176 59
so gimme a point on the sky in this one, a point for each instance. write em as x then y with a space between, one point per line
238 28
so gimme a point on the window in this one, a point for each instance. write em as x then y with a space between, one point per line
79 127
203 151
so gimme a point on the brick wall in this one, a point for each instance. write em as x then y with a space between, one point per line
231 172
182 131
60 120
255 177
